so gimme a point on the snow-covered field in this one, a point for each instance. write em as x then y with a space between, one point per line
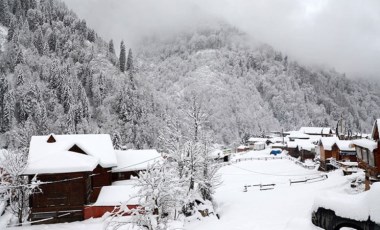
284 207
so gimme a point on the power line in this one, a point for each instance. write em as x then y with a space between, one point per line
272 174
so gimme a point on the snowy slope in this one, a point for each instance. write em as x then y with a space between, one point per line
3 36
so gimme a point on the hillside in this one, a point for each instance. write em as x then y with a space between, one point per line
252 89
58 76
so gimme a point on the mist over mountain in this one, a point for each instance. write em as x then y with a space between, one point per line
59 76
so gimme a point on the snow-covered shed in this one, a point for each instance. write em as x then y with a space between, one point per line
259 145
131 162
293 135
75 167
323 131
111 198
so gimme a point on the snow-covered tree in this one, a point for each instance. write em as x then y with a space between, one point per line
15 186
122 57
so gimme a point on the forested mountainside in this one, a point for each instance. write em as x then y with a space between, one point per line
58 76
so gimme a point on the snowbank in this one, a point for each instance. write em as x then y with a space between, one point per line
357 207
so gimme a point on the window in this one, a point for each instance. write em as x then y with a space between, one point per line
365 155
359 153
371 159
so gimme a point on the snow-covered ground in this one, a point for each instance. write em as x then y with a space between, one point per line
284 207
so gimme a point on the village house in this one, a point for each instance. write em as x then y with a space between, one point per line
333 152
302 149
368 153
72 169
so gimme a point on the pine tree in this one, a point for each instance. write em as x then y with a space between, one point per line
67 99
4 12
8 112
52 41
20 78
3 91
20 57
39 41
111 48
130 66
122 57
116 140
12 28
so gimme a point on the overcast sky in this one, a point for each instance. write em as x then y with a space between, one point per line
343 34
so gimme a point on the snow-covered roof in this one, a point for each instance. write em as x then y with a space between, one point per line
375 125
60 162
328 142
316 130
298 135
357 207
115 195
260 143
365 143
216 153
132 160
98 147
257 139
301 144
242 147
345 145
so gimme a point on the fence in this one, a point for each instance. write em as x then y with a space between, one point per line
297 162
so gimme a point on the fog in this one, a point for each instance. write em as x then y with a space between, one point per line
340 34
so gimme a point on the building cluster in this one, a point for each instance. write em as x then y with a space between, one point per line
322 145
82 176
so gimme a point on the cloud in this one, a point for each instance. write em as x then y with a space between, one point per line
342 34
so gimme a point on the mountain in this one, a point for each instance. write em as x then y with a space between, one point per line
58 76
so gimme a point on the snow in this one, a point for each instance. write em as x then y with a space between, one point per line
3 36
298 135
216 153
301 144
56 155
345 145
116 195
133 160
315 130
328 142
365 143
257 139
284 207
357 206
61 162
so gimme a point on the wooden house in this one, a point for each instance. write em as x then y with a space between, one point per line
302 149
72 170
131 162
327 150
242 148
368 153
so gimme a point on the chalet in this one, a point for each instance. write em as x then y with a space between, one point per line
302 149
131 162
368 153
327 149
72 169
333 150
322 131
